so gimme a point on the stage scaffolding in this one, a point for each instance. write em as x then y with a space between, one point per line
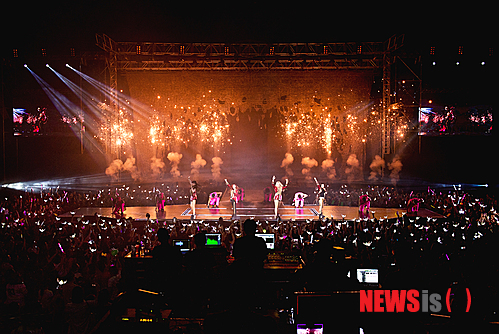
150 56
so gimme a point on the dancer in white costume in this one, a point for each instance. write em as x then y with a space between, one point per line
299 199
278 189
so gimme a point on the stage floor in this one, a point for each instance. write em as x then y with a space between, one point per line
244 211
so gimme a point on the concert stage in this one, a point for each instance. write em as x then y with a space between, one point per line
246 210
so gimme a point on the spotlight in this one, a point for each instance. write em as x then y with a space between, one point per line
26 65
47 65
67 65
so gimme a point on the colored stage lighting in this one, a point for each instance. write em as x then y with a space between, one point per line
47 65
26 65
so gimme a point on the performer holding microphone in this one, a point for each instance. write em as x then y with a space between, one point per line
321 195
194 196
233 196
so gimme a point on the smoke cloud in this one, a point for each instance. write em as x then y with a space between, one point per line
117 166
395 166
129 166
114 168
376 167
353 165
308 163
174 158
286 162
157 166
216 168
197 165
328 167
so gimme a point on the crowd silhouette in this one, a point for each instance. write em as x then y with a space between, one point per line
62 275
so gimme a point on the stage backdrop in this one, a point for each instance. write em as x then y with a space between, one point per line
249 119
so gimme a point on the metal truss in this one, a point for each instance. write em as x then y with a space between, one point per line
390 46
245 56
110 46
246 64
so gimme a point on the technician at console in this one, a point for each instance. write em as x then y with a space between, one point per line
249 248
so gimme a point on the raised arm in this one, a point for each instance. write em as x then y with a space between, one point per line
316 182
227 183
273 179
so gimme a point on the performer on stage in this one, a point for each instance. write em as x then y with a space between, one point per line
321 195
214 199
267 195
160 201
364 205
413 206
278 189
299 199
240 194
233 196
194 196
119 206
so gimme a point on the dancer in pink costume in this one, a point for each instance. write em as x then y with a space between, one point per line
364 206
214 199
160 201
119 206
413 206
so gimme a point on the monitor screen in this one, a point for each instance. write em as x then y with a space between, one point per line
183 244
43 121
369 276
450 120
213 239
306 329
269 239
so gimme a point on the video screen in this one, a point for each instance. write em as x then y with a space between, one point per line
369 276
309 329
269 239
448 120
213 239
43 121
183 244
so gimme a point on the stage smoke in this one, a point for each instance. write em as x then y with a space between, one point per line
114 168
174 158
216 168
353 164
288 160
376 167
328 167
308 163
129 166
157 166
197 165
395 166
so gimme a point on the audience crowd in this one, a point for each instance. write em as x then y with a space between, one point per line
61 275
